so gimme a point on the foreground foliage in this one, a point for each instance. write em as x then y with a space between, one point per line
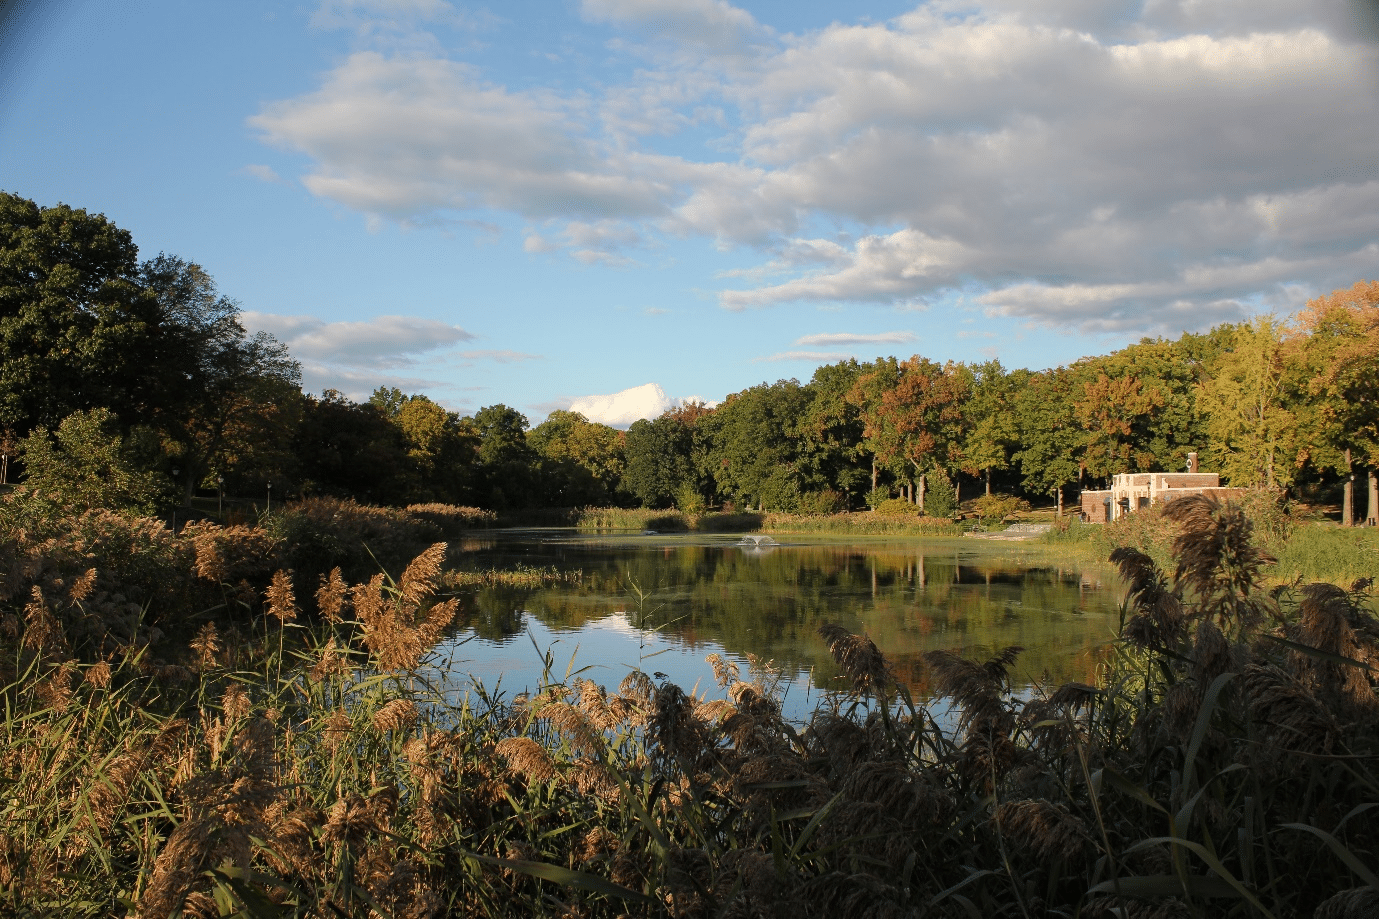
1224 766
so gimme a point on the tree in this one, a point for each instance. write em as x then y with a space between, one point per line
77 328
505 460
659 461
1110 409
757 451
831 431
233 391
582 462
87 463
347 449
992 429
1252 431
1051 439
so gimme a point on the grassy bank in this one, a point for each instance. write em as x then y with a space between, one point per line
1301 550
258 758
673 521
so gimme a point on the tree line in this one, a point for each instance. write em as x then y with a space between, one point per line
139 378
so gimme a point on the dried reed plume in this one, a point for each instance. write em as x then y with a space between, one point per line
332 596
282 601
1159 623
527 759
859 658
1045 830
206 644
398 624
1218 561
396 716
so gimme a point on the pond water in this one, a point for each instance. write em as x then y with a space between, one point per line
664 602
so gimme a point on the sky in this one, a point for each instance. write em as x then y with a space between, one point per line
540 201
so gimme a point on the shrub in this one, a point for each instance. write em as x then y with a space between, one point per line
86 463
897 507
319 534
941 499
822 502
996 508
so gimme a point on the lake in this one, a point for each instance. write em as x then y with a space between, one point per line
664 602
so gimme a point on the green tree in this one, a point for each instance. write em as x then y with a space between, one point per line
77 328
992 428
582 462
659 460
757 447
87 463
1051 438
506 462
234 392
1253 433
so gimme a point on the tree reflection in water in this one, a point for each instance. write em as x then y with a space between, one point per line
706 594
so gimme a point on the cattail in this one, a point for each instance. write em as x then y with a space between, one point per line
282 602
396 716
332 596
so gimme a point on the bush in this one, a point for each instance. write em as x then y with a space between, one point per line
319 534
940 499
878 496
87 464
820 503
897 507
996 508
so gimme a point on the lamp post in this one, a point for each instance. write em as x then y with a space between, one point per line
220 495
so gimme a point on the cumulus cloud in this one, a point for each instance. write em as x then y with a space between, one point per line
412 136
1078 165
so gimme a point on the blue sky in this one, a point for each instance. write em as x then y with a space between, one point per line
535 202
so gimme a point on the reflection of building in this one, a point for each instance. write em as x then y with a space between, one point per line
1133 491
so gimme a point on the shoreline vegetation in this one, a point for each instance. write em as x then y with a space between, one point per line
241 721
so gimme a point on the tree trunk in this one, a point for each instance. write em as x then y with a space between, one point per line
1059 492
1372 518
1348 496
957 491
873 473
988 481
922 488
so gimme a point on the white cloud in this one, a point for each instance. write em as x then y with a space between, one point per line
385 341
812 357
406 137
825 339
1075 164
501 357
621 409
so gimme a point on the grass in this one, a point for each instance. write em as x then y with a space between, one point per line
271 763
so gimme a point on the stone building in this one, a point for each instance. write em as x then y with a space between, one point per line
1133 491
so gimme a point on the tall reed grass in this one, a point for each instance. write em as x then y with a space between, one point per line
1227 764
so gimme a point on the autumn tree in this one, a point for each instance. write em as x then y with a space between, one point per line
757 452
1252 431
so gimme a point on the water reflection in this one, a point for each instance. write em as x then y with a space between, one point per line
682 597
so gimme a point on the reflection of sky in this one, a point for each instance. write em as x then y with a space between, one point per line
604 651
